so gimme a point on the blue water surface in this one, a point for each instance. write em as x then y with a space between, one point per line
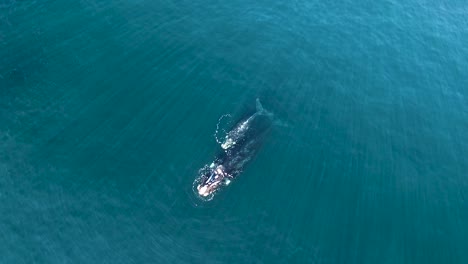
108 110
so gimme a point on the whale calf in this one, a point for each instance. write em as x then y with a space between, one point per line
238 132
239 146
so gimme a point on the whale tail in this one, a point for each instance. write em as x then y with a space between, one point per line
259 106
260 110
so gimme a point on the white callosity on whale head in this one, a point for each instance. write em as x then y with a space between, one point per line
203 191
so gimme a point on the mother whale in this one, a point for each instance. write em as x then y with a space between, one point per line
239 146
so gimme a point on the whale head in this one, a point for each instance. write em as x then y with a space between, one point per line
203 190
210 184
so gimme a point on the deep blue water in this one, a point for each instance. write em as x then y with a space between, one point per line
108 109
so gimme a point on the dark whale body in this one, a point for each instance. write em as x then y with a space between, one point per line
245 138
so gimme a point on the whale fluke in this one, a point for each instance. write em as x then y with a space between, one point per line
260 110
259 106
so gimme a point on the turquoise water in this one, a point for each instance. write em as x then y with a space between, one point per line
108 109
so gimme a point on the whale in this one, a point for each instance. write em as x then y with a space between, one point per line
239 147
237 133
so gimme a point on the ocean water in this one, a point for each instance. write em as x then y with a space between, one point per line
108 110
